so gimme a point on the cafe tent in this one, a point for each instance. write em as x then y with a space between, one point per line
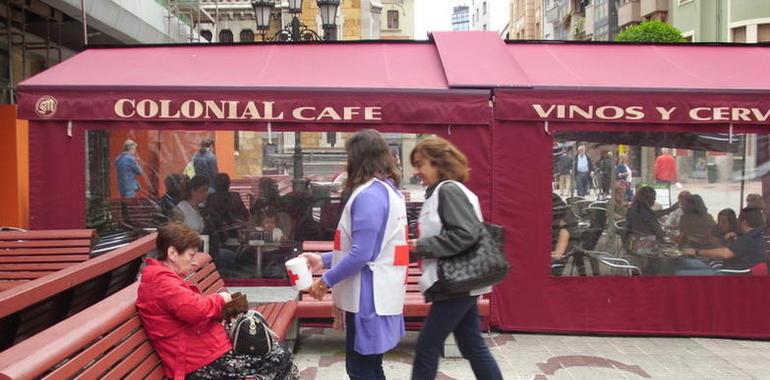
500 103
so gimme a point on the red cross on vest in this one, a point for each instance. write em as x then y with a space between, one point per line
293 277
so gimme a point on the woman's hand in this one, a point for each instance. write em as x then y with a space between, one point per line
412 243
318 289
688 251
226 296
314 261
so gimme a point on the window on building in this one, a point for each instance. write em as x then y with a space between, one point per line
206 35
484 27
393 19
763 33
739 34
247 35
484 7
226 36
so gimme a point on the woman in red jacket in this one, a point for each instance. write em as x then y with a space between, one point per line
185 327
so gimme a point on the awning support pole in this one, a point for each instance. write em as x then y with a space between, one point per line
545 127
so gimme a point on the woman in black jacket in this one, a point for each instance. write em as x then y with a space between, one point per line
449 225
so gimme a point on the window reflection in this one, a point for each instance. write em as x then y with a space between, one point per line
233 186
658 204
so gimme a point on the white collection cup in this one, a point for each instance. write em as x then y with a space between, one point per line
299 273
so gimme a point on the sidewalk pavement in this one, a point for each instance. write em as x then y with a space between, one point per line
320 354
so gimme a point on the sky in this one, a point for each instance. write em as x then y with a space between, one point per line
436 15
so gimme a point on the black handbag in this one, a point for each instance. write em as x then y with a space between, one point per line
251 335
482 265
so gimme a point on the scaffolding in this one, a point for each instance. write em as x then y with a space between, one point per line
187 13
14 34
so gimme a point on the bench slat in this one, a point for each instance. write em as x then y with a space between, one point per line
43 258
10 284
215 287
86 249
122 350
29 275
145 367
34 266
201 274
156 374
47 234
75 364
131 361
208 281
45 243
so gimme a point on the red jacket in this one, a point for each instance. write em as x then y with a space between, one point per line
183 325
665 168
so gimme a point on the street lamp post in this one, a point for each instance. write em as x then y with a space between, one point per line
296 31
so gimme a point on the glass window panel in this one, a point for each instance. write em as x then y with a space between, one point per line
657 204
142 179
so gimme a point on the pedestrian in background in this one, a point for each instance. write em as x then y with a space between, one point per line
128 170
584 170
449 222
205 163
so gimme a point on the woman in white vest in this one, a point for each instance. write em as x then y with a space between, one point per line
446 228
370 257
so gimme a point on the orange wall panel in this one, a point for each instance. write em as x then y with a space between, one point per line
14 169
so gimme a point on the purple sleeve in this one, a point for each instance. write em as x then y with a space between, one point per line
369 216
327 258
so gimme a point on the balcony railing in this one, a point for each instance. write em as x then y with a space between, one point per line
649 7
628 13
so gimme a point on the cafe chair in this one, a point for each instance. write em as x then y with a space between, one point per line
757 270
598 204
613 262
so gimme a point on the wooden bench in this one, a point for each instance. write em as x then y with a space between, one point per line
27 255
107 341
136 213
36 305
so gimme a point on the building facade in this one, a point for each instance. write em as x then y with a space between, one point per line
632 12
723 21
356 20
461 18
397 20
491 15
566 20
526 20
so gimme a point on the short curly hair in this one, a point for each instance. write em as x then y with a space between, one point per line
450 162
175 235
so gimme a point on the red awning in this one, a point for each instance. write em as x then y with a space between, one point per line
643 67
371 83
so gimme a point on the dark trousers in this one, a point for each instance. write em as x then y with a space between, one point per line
583 181
359 367
461 317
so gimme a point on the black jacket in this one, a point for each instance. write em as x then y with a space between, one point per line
458 233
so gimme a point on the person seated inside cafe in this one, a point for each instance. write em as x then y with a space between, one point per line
696 225
755 200
225 209
185 327
644 229
746 251
563 221
188 211
726 230
175 185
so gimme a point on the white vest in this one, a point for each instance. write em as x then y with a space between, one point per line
388 268
430 225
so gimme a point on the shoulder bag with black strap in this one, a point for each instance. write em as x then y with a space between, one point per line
251 334
484 264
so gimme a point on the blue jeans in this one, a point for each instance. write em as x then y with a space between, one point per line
359 367
461 317
583 182
695 267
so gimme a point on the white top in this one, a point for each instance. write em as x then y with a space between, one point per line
192 217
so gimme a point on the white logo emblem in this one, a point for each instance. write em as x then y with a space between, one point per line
46 106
